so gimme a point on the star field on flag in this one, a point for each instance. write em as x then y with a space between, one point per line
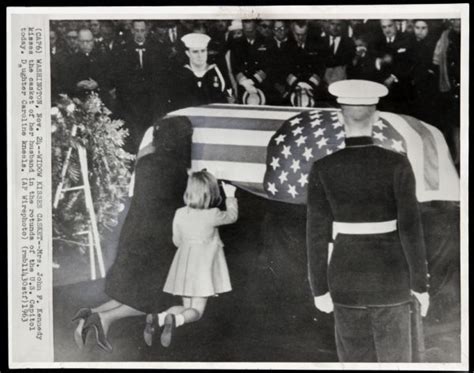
304 139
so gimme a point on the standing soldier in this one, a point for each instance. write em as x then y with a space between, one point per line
280 56
364 198
305 75
198 83
249 59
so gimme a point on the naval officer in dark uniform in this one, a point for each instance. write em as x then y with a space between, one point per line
363 197
249 61
198 83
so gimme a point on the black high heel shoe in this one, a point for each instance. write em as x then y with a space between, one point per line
83 313
94 322
150 328
170 326
79 334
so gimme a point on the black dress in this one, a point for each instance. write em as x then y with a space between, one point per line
146 249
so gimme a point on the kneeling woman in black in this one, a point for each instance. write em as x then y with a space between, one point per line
135 281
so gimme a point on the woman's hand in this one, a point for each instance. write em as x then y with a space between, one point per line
229 190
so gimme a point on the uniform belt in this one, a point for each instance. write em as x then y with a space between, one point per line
363 228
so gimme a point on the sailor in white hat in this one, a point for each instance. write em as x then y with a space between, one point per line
362 198
197 82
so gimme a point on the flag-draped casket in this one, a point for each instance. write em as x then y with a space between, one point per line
268 151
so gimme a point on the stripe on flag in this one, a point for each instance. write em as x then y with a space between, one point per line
231 137
229 153
430 152
235 123
233 113
232 171
414 148
449 185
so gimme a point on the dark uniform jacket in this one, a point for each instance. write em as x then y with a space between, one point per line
359 184
250 60
280 65
308 63
191 90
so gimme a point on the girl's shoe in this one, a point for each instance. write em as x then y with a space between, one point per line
79 334
151 325
170 325
93 322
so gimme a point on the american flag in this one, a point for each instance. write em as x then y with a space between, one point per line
269 150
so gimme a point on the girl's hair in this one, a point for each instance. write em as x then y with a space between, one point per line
202 191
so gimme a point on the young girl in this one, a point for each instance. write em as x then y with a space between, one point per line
199 269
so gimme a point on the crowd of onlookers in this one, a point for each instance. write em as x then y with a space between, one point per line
133 64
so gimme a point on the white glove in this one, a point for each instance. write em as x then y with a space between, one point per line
424 299
304 85
249 86
324 303
229 190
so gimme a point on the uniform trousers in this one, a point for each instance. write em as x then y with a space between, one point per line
373 334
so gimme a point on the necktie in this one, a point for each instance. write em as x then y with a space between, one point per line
333 45
140 51
173 35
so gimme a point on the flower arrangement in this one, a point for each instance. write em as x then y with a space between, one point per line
89 124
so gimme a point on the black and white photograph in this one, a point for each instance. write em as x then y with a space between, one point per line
267 187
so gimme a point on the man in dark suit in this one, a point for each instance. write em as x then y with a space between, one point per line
87 70
249 60
110 43
394 66
338 50
139 79
61 58
363 199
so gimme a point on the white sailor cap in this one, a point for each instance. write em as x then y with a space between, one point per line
195 40
357 92
235 25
